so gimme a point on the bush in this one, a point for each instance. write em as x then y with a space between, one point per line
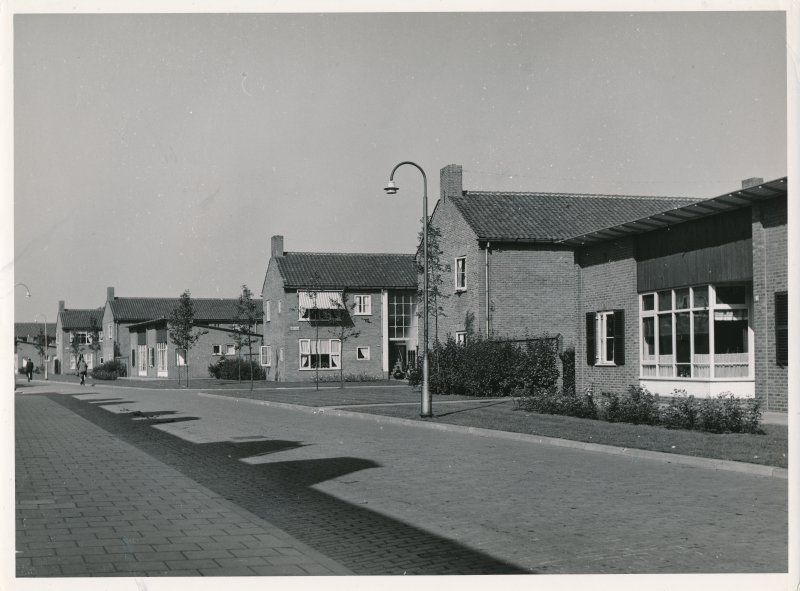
348 377
681 413
485 367
110 370
727 414
636 406
228 369
568 369
553 401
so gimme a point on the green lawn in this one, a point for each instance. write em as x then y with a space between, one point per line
770 449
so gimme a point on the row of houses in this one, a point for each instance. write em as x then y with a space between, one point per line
667 293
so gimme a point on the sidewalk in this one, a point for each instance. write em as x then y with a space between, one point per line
89 504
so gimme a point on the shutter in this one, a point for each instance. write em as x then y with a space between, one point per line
619 337
591 345
782 328
141 338
161 335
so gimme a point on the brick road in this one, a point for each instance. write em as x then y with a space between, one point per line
388 499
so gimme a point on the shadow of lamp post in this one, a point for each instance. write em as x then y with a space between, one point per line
392 188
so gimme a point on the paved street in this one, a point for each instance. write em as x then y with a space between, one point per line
117 481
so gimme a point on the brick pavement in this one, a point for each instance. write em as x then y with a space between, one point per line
385 499
89 504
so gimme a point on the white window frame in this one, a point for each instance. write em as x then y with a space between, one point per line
461 337
230 349
151 356
89 359
279 306
362 305
461 274
670 369
265 355
334 357
111 330
73 364
100 335
216 350
161 356
601 338
180 357
362 353
267 315
80 333
142 354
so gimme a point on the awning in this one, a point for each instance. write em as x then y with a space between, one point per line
321 300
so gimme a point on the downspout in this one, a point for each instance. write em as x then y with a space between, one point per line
488 334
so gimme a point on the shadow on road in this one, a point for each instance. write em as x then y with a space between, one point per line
282 493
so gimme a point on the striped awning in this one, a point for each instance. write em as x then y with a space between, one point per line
321 300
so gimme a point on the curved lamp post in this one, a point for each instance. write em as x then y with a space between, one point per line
45 343
28 294
392 188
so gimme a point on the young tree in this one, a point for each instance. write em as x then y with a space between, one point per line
314 315
93 340
437 270
75 347
344 328
40 343
181 328
244 327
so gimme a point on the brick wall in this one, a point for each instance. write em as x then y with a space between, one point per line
770 274
607 281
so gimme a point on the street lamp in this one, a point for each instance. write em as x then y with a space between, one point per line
392 188
28 294
45 342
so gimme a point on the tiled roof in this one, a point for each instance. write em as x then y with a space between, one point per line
553 216
25 329
80 319
347 270
205 309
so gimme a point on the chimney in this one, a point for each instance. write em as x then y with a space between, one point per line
60 305
450 181
752 182
110 294
277 247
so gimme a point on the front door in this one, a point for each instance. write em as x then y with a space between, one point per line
141 354
398 360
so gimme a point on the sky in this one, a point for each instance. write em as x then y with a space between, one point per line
159 153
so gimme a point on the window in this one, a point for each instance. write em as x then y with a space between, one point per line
81 335
363 305
110 329
101 361
161 356
279 306
58 338
216 349
362 353
697 332
72 362
782 328
100 335
142 354
461 338
605 337
402 315
320 354
323 306
266 355
180 357
461 273
152 356
89 361
230 350
266 315
133 357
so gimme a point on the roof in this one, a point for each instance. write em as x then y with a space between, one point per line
347 270
80 319
551 217
31 329
668 217
205 309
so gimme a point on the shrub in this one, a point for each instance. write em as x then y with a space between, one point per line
681 413
110 370
228 369
568 369
349 377
553 401
636 406
727 414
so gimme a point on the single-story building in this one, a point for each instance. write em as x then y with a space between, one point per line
136 334
694 298
25 339
326 312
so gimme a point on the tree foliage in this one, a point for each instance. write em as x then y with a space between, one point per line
438 269
244 327
182 332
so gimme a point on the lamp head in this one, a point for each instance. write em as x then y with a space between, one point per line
391 188
27 295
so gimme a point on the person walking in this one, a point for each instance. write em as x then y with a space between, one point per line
82 367
29 370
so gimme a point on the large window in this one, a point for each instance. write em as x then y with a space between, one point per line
322 354
362 305
696 332
402 315
161 356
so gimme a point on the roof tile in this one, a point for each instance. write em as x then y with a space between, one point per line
347 270
205 309
80 319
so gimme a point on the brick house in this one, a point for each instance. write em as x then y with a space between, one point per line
25 334
512 277
300 292
693 298
136 332
76 325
